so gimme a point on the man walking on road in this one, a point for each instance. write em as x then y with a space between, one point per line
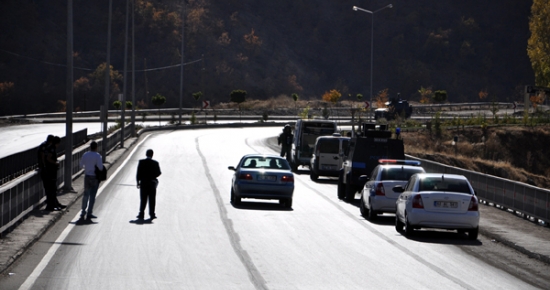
147 172
90 160
285 140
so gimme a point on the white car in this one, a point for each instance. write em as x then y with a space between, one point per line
377 195
437 200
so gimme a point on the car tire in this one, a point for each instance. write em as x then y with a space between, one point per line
409 231
372 215
398 224
234 199
363 208
313 176
349 193
472 234
286 202
341 190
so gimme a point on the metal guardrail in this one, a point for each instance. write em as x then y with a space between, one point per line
20 196
529 200
22 162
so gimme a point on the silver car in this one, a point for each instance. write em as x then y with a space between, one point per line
437 200
377 195
262 177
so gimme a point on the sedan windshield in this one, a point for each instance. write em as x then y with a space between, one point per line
266 163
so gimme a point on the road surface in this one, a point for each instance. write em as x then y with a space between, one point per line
201 241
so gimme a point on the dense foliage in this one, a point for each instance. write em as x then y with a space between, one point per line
267 48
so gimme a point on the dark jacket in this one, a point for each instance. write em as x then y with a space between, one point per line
147 172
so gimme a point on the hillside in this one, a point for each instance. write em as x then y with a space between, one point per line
266 48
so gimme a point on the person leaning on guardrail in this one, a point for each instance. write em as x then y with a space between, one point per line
50 176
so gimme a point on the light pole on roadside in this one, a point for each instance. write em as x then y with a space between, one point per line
355 8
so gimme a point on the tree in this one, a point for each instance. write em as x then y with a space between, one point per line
332 96
158 100
440 96
538 45
359 97
295 98
237 96
426 95
381 98
117 104
197 96
129 105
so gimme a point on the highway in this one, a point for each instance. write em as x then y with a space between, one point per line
201 241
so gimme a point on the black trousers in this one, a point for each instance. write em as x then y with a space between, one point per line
50 187
147 193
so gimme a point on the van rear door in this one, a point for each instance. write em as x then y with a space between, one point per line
329 154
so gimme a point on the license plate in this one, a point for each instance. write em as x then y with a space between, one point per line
267 177
328 167
446 204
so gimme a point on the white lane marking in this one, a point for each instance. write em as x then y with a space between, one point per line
29 282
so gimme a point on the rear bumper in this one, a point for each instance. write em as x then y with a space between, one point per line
422 218
383 204
264 192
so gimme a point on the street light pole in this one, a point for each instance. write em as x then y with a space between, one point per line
355 8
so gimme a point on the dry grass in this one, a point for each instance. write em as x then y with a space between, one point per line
507 152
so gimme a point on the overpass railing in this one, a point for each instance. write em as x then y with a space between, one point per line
26 193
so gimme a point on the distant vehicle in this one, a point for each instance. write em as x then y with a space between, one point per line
378 196
262 177
393 109
328 155
305 135
437 200
363 153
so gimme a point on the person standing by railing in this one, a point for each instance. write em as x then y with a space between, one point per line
51 166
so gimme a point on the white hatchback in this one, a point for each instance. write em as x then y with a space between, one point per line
377 195
437 200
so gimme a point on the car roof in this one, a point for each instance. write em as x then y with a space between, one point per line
263 156
445 175
332 137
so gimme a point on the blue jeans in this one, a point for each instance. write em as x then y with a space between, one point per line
91 185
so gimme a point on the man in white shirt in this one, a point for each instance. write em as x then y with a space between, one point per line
89 161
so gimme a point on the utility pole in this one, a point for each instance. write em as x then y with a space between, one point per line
133 74
182 56
123 111
68 176
105 110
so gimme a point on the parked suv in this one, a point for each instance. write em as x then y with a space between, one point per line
328 155
364 151
377 195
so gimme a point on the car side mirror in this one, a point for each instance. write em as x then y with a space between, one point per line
363 179
398 188
232 168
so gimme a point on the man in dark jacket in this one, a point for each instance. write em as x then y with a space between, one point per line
146 177
285 140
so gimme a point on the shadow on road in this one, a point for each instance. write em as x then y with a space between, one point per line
141 221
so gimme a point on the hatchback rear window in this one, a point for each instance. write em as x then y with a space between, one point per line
438 184
399 173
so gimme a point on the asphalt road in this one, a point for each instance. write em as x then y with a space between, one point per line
201 241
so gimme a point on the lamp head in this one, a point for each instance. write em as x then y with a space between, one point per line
390 6
354 8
